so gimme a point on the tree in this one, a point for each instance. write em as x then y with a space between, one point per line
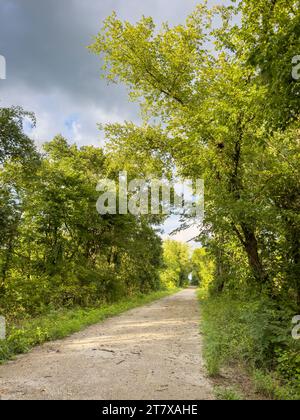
202 269
14 144
16 151
212 106
62 252
177 264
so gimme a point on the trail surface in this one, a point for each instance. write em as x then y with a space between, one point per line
152 352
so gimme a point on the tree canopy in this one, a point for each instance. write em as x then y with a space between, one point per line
219 114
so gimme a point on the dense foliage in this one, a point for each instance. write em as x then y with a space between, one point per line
177 265
228 114
56 250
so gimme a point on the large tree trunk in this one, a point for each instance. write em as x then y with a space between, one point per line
249 241
251 248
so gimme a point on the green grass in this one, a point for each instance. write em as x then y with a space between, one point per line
256 336
223 393
59 324
269 385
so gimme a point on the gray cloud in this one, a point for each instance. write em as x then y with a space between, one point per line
51 72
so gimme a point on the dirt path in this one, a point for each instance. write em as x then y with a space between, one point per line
152 352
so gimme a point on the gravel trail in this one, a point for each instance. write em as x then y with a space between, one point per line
151 352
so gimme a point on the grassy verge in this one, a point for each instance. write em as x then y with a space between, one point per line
248 348
59 324
227 393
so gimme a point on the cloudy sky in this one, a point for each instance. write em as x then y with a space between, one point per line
51 72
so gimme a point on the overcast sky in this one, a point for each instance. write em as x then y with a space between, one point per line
51 72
